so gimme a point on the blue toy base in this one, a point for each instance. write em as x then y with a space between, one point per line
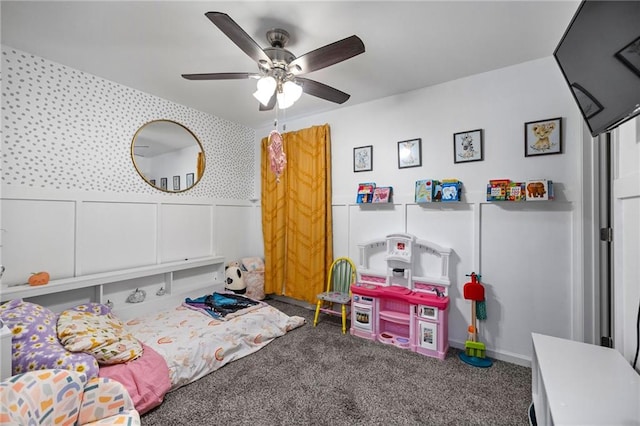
475 361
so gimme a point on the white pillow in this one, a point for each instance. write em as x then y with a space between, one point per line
253 263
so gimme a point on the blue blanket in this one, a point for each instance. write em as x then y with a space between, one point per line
220 305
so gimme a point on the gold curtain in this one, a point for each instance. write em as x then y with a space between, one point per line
200 165
296 215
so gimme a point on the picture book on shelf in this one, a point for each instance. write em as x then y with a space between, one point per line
516 191
425 190
365 192
382 194
539 190
451 190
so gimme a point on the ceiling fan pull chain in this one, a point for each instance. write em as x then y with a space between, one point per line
284 121
275 121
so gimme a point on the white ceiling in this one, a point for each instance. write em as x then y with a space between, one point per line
147 45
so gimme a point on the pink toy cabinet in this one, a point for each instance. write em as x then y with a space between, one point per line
430 325
400 304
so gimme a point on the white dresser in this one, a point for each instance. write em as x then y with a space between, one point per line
577 383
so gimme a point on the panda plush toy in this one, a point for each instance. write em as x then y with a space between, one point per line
234 280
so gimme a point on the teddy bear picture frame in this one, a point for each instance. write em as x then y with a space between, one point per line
543 137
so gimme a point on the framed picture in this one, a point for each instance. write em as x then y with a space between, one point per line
176 183
467 146
163 183
588 104
543 137
630 56
410 153
189 181
153 182
363 158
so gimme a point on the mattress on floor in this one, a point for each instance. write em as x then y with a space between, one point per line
194 344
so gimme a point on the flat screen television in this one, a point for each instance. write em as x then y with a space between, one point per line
599 56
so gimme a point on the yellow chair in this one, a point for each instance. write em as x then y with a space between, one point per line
341 275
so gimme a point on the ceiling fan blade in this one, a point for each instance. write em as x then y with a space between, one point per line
220 76
327 55
237 35
320 90
270 105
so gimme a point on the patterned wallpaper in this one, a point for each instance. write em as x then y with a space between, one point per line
66 129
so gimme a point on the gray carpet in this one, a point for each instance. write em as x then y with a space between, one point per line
319 376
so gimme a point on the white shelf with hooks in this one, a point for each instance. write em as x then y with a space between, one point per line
177 279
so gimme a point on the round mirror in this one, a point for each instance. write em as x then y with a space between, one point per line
167 155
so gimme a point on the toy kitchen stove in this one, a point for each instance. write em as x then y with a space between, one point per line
363 313
398 307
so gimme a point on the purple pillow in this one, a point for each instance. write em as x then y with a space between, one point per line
35 344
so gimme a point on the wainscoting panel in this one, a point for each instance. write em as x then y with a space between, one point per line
38 236
626 239
526 264
627 268
186 231
340 215
233 226
373 221
450 225
116 235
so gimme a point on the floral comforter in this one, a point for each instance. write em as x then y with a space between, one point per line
194 344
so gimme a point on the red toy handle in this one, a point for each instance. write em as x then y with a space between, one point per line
473 290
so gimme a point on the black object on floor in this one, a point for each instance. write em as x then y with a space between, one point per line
532 415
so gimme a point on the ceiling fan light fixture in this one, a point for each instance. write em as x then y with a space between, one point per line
290 93
264 89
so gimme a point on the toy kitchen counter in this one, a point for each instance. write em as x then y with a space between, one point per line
397 307
395 315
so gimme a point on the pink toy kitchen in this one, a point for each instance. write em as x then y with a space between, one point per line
405 301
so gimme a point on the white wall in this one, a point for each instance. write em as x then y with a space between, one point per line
529 255
179 162
72 201
68 130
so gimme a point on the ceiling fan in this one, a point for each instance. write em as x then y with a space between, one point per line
279 69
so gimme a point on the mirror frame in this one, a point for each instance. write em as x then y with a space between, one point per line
135 165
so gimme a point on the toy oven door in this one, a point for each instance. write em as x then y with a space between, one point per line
428 335
362 317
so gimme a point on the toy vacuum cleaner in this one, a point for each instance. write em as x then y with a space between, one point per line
474 351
